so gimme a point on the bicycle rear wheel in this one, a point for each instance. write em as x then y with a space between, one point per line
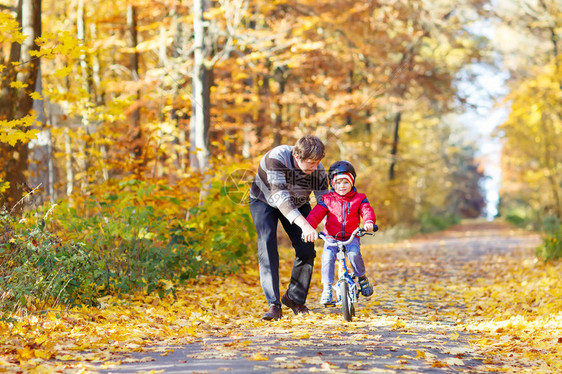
346 304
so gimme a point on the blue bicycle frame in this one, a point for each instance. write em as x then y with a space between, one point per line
345 276
346 287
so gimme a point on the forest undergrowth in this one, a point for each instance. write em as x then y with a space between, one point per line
507 301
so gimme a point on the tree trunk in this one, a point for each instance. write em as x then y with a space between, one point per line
394 150
68 163
246 147
50 169
40 155
134 68
554 40
551 164
81 35
280 76
349 91
96 68
16 103
263 91
87 85
199 126
98 95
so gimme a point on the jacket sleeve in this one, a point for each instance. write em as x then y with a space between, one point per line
317 214
367 212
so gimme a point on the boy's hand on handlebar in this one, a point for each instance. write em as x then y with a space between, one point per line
368 226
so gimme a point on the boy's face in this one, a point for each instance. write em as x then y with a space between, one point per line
342 186
308 166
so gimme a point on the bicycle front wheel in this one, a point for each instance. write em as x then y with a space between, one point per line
346 304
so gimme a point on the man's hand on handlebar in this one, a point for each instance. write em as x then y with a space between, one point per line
368 226
309 235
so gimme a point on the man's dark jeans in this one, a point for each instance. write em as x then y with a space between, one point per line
266 219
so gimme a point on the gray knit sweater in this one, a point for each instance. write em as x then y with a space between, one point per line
280 183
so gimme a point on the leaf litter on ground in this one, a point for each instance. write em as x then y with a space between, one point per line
447 300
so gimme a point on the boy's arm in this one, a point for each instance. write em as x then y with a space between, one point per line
317 214
367 213
309 224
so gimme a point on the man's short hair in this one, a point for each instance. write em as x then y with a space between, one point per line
309 147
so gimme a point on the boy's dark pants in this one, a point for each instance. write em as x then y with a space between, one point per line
266 219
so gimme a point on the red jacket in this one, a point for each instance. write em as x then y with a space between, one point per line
344 213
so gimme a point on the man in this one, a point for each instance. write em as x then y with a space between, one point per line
286 177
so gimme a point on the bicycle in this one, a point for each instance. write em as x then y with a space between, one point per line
346 288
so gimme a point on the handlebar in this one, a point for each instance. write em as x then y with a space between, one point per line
359 232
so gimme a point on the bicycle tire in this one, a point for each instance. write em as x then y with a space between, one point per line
345 301
350 301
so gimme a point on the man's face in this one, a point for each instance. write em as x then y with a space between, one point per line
308 166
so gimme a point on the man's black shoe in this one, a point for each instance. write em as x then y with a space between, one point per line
274 312
297 308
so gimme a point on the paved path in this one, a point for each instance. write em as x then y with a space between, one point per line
412 325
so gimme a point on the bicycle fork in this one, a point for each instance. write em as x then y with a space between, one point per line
344 276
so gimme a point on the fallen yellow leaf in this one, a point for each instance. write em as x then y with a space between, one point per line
258 357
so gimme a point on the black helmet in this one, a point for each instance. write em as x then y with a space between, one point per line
340 167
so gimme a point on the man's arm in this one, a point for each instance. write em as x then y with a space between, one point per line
309 233
276 168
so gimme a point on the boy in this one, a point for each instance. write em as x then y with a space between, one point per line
344 208
280 191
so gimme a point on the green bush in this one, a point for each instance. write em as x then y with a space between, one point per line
38 269
431 222
225 229
142 240
516 219
126 237
551 247
135 243
519 216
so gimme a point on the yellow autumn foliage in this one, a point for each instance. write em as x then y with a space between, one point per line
13 131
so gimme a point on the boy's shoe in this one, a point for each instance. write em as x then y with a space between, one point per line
274 312
327 298
297 308
366 289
